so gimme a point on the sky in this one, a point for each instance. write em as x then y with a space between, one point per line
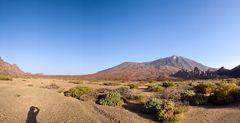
86 36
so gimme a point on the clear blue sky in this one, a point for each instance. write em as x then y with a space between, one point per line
85 36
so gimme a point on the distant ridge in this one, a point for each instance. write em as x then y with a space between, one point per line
157 69
11 69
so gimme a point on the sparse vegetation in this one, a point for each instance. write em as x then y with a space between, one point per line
167 84
76 82
51 86
155 88
18 95
205 88
187 94
78 91
165 111
225 93
6 77
30 85
112 99
111 84
198 99
141 98
133 86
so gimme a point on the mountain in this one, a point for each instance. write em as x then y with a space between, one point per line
11 69
235 72
153 70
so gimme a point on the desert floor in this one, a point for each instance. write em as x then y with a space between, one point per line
17 96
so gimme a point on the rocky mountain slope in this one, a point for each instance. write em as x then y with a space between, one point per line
7 68
157 69
198 74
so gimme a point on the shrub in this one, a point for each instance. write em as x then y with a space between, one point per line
172 94
180 109
111 84
225 93
78 91
5 77
168 84
51 86
30 85
192 98
165 111
230 80
133 86
198 99
186 94
76 82
155 88
141 98
205 88
112 99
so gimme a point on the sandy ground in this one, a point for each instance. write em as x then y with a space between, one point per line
18 96
213 114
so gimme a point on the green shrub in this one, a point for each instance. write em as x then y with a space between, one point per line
6 77
192 98
230 80
181 109
198 99
112 99
165 111
141 98
225 93
155 88
187 94
133 86
150 106
205 88
168 84
78 91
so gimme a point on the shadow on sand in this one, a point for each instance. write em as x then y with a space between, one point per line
32 114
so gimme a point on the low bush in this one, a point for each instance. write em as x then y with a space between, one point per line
205 88
190 97
187 94
165 111
76 82
6 77
133 86
78 91
30 85
168 84
155 88
125 92
198 99
112 99
230 80
172 94
111 84
141 98
225 93
51 86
